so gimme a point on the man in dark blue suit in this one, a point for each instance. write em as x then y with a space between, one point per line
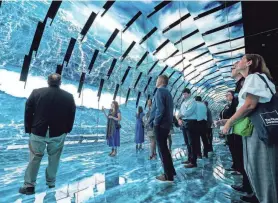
161 119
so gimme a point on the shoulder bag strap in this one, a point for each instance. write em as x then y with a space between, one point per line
262 77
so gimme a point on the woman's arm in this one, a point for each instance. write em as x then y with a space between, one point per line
116 119
249 105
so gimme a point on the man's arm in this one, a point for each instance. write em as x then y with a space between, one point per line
160 108
71 114
29 112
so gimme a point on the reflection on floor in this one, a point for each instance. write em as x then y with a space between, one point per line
87 174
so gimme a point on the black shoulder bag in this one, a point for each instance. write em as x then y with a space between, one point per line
265 119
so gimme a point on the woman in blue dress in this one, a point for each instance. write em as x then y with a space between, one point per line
139 133
113 127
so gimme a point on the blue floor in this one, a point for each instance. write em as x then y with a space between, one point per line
88 174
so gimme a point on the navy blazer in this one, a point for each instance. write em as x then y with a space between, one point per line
162 109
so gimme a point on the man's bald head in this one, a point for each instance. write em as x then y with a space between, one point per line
54 80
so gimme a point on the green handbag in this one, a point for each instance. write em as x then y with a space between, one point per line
243 127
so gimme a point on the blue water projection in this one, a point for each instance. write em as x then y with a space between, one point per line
86 173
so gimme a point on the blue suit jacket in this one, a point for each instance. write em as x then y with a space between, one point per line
162 109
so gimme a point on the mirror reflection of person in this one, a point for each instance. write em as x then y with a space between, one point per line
139 130
113 127
149 131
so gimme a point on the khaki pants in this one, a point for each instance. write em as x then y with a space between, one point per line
37 145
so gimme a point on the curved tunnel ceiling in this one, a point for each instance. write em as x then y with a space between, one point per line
121 47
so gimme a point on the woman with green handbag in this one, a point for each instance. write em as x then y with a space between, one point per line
260 160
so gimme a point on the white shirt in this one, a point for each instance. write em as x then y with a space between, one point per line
254 85
201 111
188 109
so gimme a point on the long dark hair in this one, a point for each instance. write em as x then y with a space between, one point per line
140 110
116 107
258 65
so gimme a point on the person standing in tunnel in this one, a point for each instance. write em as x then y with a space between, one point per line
49 116
161 120
113 127
139 129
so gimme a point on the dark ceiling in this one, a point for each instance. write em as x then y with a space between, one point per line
262 17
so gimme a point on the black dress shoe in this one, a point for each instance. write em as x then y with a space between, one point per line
239 188
27 190
252 199
51 186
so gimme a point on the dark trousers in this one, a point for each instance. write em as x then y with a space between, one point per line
210 137
161 135
236 149
193 140
202 133
189 153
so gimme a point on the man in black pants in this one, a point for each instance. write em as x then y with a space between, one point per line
161 120
187 118
202 125
209 129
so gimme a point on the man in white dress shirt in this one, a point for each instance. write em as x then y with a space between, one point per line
187 118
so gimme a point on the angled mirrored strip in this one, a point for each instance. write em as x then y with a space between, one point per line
137 80
148 35
171 74
176 80
142 59
238 57
0 3
138 99
163 70
186 36
128 50
171 55
69 51
59 69
177 22
204 63
107 6
110 40
93 60
178 62
225 41
223 27
161 46
146 103
81 82
185 68
222 52
53 9
208 68
190 73
100 88
88 24
25 68
116 92
125 75
148 83
153 66
196 57
37 38
111 68
127 95
194 48
159 7
223 6
132 20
